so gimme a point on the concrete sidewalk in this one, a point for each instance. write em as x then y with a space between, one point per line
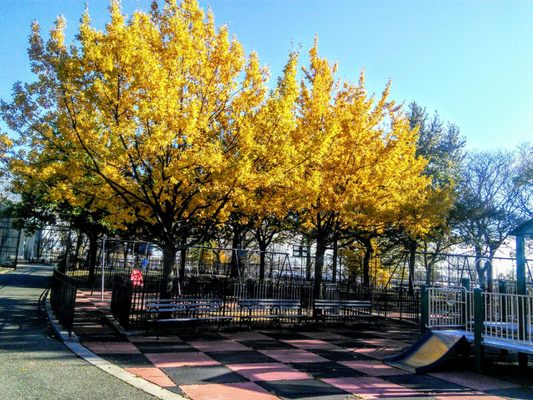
34 365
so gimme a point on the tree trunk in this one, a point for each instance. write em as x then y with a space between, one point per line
125 253
480 268
93 251
319 265
367 243
235 245
262 258
183 262
489 271
334 264
79 241
412 245
169 258
308 260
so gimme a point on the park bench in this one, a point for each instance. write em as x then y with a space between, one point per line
275 310
343 310
185 310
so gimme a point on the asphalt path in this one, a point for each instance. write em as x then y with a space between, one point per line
34 365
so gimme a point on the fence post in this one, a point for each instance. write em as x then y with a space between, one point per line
400 299
424 314
465 283
521 289
479 316
522 328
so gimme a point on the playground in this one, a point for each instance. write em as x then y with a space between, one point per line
240 337
309 362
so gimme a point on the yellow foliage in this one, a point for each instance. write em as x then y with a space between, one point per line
161 118
359 152
148 117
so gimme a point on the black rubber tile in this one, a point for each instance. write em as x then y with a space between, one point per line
516 393
128 360
201 336
426 384
165 347
199 375
284 335
304 390
355 334
105 338
157 343
340 355
177 390
240 357
266 344
326 370
352 344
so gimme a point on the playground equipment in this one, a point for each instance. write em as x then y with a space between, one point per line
429 352
215 261
449 269
452 316
497 320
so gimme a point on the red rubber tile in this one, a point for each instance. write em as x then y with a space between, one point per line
171 360
377 353
218 345
310 344
268 372
228 391
154 375
466 396
370 387
293 356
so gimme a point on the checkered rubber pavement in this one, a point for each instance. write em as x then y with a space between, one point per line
264 365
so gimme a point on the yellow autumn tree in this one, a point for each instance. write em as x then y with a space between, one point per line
152 114
359 156
270 199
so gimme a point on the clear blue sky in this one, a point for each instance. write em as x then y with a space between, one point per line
472 61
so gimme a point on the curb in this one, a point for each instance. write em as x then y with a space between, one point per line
5 270
73 345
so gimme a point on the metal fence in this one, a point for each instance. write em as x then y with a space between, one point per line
397 304
508 317
128 302
63 299
296 290
447 307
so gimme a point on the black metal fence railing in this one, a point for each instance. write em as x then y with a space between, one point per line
110 272
128 300
397 304
121 301
63 299
294 290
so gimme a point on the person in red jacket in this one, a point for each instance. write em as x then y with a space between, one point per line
137 278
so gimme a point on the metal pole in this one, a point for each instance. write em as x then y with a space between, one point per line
479 316
424 312
17 249
102 269
521 290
